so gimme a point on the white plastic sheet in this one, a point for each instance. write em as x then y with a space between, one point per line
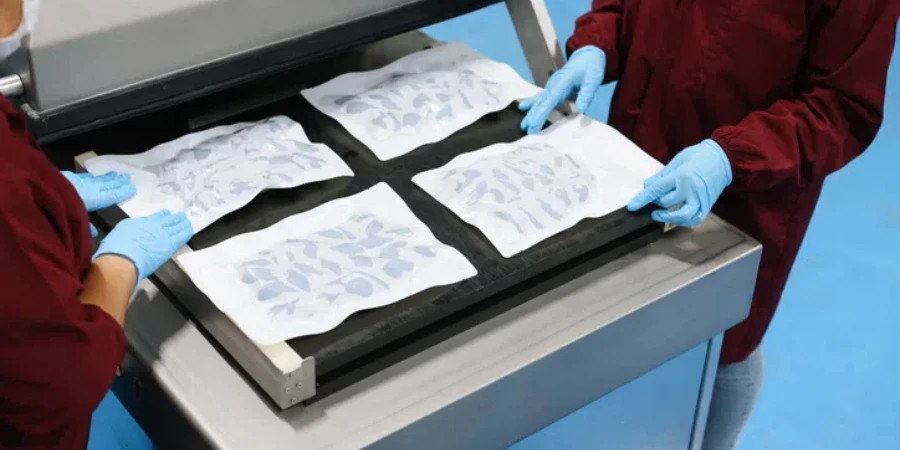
211 173
309 272
522 193
419 99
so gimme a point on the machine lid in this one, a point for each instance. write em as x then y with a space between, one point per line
93 60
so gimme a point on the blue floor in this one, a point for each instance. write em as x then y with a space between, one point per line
831 354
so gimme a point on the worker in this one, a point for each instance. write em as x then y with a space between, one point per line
751 104
62 308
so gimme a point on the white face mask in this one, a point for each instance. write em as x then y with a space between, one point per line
11 43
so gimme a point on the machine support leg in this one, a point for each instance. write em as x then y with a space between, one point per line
711 366
539 42
537 37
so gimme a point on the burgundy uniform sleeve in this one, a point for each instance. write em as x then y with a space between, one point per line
601 28
835 111
58 357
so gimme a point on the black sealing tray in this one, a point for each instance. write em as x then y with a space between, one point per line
367 331
370 340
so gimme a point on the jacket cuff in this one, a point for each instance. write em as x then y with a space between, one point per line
729 141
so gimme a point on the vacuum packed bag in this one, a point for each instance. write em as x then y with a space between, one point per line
521 193
420 98
309 272
211 173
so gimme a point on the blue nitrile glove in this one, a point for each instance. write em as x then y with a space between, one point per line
694 179
583 73
148 241
98 192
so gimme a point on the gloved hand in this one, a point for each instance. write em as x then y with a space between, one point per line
694 179
148 241
584 73
98 192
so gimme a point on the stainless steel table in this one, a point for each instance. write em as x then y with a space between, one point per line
488 387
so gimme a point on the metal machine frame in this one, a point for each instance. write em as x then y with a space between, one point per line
287 377
530 17
543 360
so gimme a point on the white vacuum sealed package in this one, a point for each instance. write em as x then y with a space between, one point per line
420 98
521 193
307 273
211 173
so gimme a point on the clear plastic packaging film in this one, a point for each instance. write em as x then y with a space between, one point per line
211 173
521 193
419 99
309 272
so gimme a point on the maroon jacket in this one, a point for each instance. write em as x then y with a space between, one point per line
791 90
57 356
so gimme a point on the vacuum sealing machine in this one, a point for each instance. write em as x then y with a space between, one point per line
481 363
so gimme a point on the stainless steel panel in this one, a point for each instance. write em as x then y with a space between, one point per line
11 86
653 412
86 48
523 370
624 344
